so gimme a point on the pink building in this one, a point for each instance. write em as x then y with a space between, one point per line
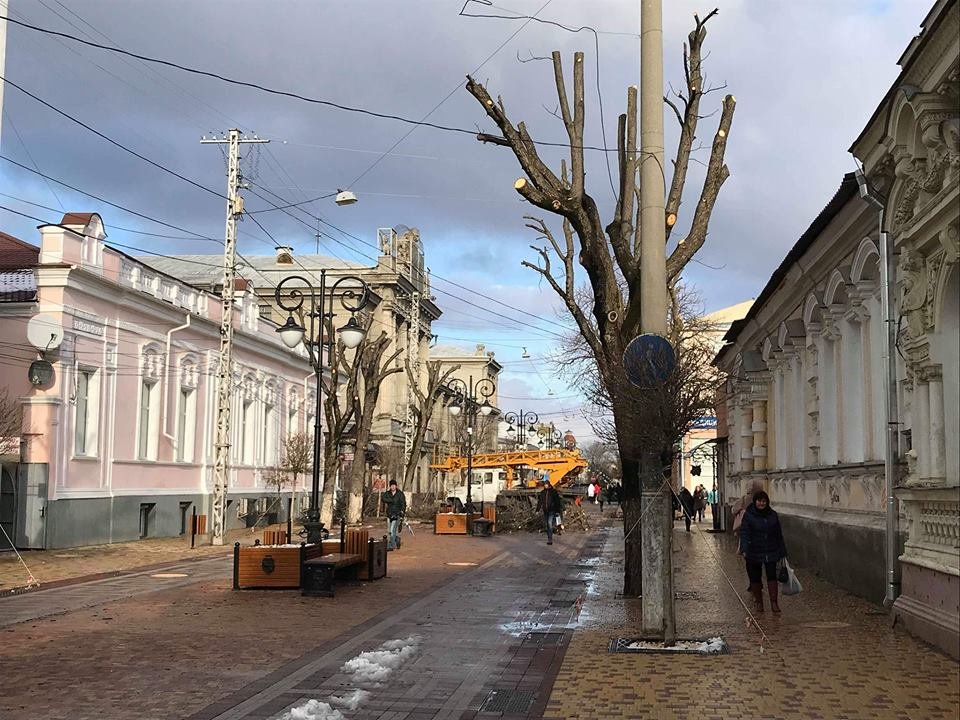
119 443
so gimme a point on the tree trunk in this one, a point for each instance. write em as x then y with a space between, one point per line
330 465
632 530
355 504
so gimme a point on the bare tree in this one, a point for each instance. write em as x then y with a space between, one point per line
374 367
609 253
426 402
10 424
339 415
296 459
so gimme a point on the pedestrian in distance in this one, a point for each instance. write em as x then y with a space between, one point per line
699 501
762 545
596 493
686 506
600 492
591 492
395 505
549 503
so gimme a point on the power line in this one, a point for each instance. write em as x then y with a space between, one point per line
282 93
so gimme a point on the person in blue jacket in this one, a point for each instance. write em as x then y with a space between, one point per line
762 545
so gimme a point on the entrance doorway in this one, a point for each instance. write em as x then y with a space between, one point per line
8 506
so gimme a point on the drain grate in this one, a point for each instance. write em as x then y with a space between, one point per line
543 639
509 702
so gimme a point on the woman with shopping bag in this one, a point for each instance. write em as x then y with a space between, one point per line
761 543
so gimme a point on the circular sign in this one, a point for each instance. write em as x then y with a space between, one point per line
649 360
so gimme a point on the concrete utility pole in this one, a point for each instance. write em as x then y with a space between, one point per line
5 11
657 532
225 366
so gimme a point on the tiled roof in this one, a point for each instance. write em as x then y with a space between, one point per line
17 286
15 254
77 219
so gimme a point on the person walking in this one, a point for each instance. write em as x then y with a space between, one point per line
591 492
395 507
686 506
699 501
600 492
762 545
549 503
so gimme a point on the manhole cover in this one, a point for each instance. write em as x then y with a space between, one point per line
509 702
169 575
543 638
825 625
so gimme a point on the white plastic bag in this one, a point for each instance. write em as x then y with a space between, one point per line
792 586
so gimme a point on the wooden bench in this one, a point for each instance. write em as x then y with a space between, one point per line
274 537
318 576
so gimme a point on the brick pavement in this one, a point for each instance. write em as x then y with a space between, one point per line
827 656
172 651
54 567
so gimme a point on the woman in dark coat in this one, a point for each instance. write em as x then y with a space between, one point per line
686 504
761 542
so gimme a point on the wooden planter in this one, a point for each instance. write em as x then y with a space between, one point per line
450 524
262 566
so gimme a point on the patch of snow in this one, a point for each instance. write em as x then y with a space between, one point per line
351 701
711 646
375 666
312 710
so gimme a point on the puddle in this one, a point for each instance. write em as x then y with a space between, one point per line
169 575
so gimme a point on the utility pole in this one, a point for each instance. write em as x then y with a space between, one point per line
5 11
656 538
233 140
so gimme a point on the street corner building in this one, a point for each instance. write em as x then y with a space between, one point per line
810 390
117 430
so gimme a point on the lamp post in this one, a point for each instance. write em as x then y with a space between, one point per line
353 297
550 437
467 397
525 422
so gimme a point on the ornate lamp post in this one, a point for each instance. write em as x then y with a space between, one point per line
467 400
525 422
550 437
313 303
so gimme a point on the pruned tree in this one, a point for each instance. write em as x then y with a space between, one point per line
375 367
10 423
609 253
423 408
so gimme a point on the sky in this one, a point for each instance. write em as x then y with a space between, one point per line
807 75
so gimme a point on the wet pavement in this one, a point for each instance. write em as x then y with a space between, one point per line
827 656
463 628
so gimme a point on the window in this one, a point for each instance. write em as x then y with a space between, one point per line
146 512
291 423
186 424
246 433
147 425
86 413
269 436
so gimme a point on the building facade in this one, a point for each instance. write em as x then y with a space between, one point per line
118 444
806 410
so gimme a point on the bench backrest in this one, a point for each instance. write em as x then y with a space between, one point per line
355 542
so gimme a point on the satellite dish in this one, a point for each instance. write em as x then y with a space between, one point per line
649 360
44 332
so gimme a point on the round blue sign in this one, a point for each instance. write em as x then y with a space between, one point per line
648 360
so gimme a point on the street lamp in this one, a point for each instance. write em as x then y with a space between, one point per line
466 400
525 422
353 297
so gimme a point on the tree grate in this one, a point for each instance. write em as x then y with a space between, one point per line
509 702
543 639
687 595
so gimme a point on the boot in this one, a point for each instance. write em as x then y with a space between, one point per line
773 589
757 590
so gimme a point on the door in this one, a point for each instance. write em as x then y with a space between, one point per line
8 507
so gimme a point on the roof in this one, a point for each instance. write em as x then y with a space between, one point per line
15 254
846 191
17 286
208 269
75 218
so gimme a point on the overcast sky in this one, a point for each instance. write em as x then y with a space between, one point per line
807 75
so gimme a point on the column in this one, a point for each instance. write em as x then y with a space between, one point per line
938 449
759 428
746 439
920 435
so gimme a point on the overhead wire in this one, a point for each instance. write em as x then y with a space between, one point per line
283 93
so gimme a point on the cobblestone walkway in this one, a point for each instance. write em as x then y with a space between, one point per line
488 644
827 656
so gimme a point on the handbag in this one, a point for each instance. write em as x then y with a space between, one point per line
782 574
792 586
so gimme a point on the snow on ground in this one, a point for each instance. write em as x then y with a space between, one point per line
710 646
369 667
312 710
